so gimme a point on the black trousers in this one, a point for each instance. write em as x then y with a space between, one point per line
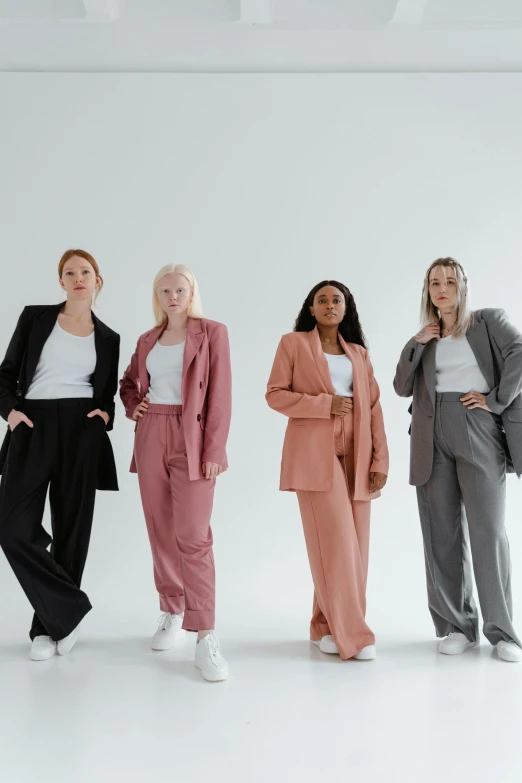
61 454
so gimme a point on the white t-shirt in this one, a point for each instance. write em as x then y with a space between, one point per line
341 373
165 367
456 367
65 367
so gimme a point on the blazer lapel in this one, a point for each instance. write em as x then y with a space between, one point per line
195 335
43 325
103 359
148 344
428 368
478 339
320 360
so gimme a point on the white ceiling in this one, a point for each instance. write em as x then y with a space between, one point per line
260 35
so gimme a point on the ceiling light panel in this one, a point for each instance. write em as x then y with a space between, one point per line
181 11
41 10
334 13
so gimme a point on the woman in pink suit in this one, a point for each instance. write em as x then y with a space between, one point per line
178 390
335 458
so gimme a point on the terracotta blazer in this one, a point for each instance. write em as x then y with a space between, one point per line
206 390
300 387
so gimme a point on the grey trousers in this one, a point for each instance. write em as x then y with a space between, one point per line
463 502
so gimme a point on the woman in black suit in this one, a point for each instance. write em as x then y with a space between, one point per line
57 387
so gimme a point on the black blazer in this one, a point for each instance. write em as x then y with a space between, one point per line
17 371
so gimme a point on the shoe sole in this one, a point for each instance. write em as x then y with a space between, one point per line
508 660
364 658
213 677
179 636
470 646
45 658
326 652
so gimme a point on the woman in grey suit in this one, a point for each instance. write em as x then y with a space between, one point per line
464 371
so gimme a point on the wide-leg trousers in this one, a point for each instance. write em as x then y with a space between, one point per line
463 503
177 512
60 454
337 535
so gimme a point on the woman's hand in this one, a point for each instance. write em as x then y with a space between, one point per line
17 417
211 470
98 412
377 481
427 333
141 409
475 400
341 405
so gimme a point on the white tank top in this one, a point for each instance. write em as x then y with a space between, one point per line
65 367
456 367
341 373
165 367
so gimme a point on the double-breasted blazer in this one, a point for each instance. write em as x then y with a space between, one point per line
301 388
497 346
19 365
206 390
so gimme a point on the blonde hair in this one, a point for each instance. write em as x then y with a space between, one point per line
86 257
430 313
195 309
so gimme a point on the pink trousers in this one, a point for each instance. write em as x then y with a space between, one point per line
337 534
177 512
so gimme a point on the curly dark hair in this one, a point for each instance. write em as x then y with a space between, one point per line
349 328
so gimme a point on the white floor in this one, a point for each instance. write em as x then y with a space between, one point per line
115 711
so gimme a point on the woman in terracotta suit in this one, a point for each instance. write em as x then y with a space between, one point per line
335 458
177 389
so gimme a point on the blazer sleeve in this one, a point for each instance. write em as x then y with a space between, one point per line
219 397
129 393
279 394
12 365
380 459
509 342
408 363
111 387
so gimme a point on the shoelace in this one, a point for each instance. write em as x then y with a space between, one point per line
165 621
212 645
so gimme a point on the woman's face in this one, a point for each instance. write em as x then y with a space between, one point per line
329 306
443 288
79 280
174 293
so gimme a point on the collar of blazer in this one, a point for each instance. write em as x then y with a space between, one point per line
44 323
355 356
478 339
195 335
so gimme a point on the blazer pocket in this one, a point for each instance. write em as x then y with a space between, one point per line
515 414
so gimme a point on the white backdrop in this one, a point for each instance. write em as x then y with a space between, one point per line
264 185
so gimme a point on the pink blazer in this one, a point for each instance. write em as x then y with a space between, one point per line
300 387
206 390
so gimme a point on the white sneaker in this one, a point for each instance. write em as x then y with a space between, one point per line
456 643
42 648
368 653
65 645
169 631
209 659
509 651
327 645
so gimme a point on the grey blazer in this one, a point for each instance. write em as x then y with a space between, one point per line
497 346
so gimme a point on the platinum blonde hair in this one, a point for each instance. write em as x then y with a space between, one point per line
195 310
430 313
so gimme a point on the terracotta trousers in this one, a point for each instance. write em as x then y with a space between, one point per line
337 534
177 512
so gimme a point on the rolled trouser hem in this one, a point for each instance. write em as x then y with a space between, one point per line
195 620
57 630
172 604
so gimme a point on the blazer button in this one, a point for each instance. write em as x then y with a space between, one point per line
199 416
